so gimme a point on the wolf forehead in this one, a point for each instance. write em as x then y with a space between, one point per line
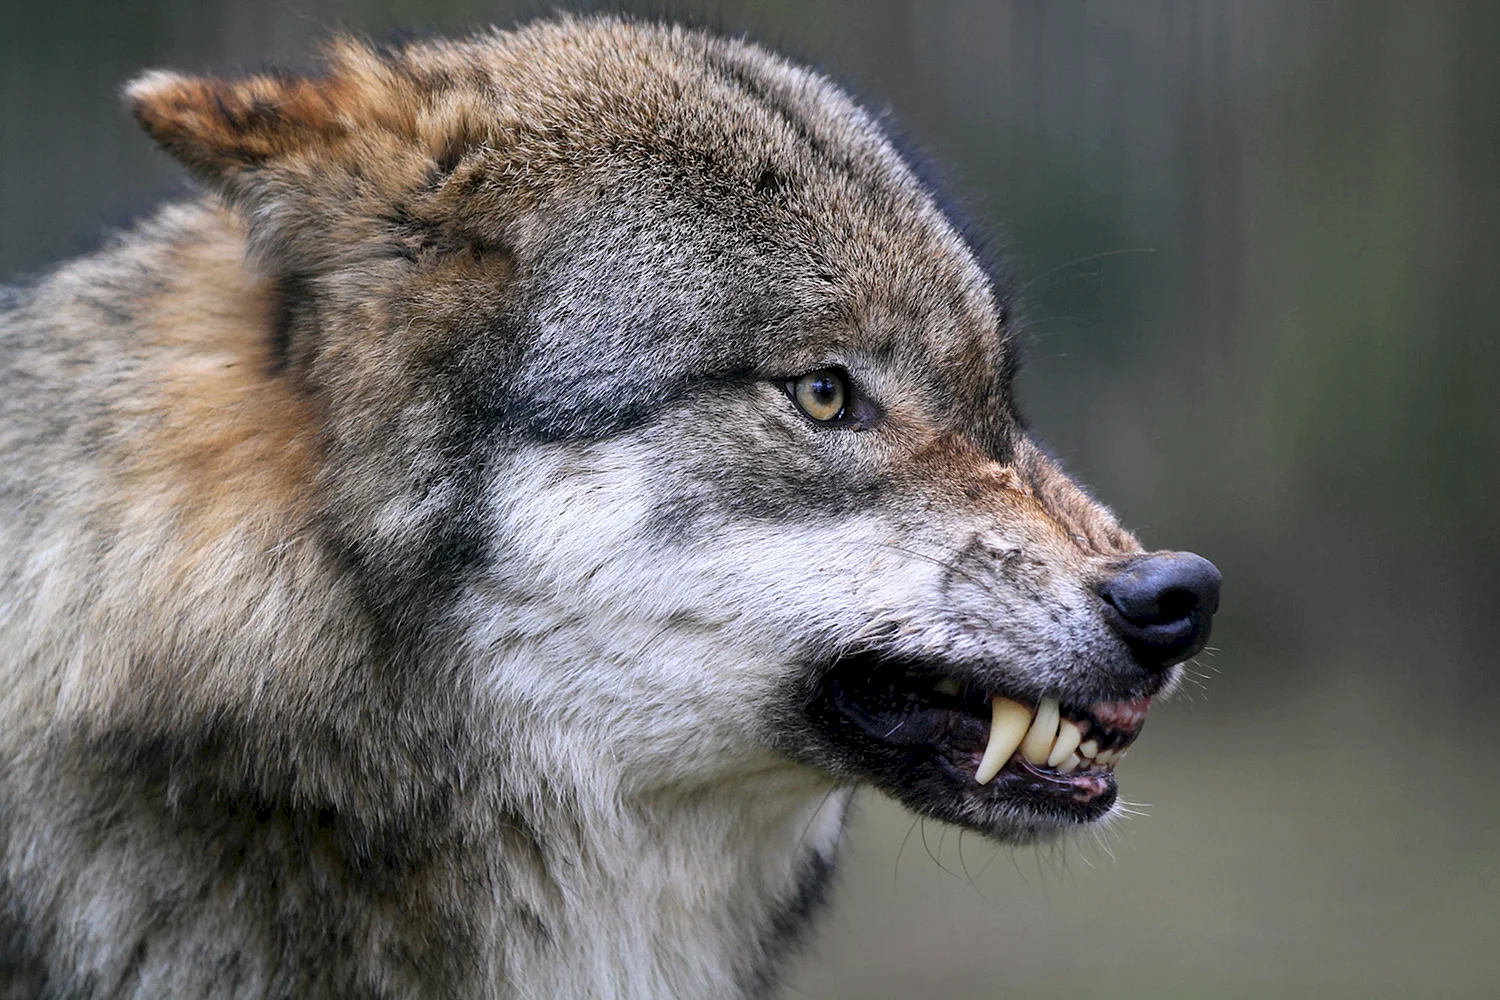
657 206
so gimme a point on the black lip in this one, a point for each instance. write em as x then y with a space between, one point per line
881 721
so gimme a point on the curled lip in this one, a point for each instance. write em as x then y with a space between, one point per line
917 730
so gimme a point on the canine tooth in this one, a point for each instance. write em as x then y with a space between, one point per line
1068 735
1008 724
947 686
1038 742
1090 748
1070 765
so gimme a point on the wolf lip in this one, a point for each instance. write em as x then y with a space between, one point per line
960 750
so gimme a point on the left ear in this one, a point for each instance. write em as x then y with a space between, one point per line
313 163
220 127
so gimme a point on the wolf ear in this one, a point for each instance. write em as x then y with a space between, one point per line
220 127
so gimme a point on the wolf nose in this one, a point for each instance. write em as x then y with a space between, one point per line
1163 606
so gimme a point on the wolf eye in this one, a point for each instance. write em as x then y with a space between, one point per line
821 395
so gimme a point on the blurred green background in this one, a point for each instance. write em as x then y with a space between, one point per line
1258 245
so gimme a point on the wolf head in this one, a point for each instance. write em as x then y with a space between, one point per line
654 388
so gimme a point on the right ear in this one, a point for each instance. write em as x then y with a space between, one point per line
221 127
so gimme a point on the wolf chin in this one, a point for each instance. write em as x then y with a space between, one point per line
478 545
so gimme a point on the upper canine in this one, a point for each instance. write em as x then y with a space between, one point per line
476 546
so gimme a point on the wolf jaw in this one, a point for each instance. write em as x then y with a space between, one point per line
963 752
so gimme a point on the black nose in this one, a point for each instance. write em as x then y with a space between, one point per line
1163 605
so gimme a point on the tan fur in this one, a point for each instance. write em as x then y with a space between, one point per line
232 446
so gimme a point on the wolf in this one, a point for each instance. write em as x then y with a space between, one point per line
477 545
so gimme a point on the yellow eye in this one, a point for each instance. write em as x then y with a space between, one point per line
821 394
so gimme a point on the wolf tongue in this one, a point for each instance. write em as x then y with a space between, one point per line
1009 722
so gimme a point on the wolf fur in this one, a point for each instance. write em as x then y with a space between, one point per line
412 568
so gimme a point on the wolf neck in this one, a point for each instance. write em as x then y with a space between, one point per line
677 895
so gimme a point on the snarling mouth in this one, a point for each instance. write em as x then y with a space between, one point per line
969 753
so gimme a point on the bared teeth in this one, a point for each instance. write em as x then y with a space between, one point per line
1068 736
1009 722
1038 742
1043 738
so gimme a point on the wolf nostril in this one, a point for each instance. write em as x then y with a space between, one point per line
1163 605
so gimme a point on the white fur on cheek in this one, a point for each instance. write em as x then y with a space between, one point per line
657 662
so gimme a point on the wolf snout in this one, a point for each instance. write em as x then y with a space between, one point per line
1163 606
